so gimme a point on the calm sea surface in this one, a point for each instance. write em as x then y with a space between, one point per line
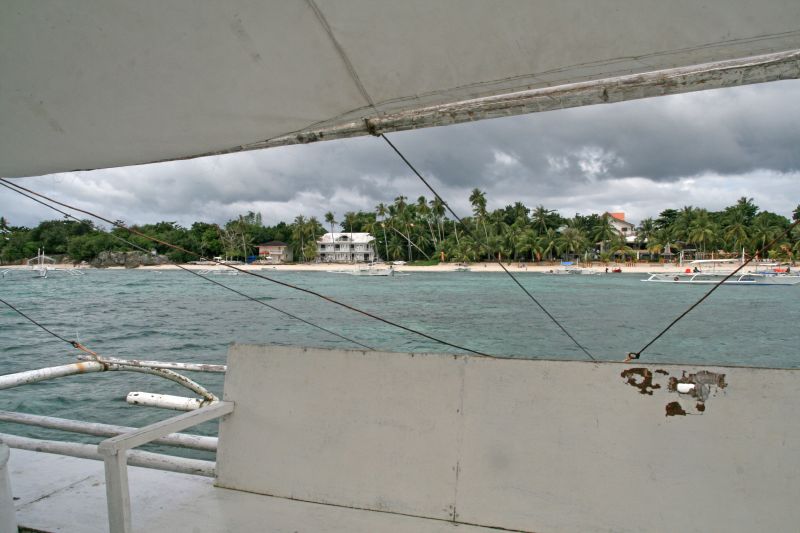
174 316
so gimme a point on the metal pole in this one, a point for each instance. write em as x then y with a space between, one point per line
117 493
8 523
41 374
183 440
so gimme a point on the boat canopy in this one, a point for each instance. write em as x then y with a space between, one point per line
108 83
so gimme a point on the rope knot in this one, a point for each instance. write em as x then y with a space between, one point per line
631 356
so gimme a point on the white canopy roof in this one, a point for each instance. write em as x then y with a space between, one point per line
103 83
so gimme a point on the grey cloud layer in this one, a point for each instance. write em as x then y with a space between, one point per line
566 159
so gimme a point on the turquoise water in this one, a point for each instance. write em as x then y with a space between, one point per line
174 316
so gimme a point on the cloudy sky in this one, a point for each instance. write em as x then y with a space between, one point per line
703 149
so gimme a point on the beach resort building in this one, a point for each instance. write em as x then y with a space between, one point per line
346 248
625 228
274 252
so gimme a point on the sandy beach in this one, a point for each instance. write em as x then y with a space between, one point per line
629 268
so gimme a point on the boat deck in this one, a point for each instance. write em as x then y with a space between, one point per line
65 494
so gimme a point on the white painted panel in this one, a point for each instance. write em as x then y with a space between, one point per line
570 446
369 430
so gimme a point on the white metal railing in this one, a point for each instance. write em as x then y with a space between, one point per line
115 455
182 440
118 451
8 523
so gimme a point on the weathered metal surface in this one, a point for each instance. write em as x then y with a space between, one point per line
772 67
180 379
190 367
32 376
183 440
155 461
517 444
165 401
8 522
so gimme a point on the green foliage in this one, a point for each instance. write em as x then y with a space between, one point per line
420 230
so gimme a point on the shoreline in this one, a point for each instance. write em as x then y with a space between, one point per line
638 268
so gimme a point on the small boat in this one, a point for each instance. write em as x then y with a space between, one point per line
462 267
372 271
218 272
367 271
711 278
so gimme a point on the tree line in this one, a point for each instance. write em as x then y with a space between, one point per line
421 230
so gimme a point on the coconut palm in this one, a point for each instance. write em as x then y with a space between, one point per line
330 220
571 240
548 243
702 230
382 211
645 231
478 200
604 230
540 219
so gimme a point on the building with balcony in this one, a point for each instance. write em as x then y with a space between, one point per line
274 252
625 228
346 248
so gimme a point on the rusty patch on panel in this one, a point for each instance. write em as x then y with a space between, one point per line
675 409
640 378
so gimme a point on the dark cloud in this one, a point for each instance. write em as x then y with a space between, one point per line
704 148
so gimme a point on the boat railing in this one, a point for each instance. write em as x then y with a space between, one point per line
118 451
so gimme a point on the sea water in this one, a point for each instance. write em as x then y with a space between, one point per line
171 315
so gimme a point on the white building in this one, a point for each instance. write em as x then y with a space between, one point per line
346 248
625 228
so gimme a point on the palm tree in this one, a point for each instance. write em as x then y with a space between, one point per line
702 231
645 231
540 218
437 208
478 200
330 220
349 218
604 230
299 228
571 240
424 213
381 211
737 235
763 231
549 243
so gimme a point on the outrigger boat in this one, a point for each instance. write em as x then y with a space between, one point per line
707 272
335 440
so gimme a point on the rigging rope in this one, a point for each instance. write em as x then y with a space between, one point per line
14 187
256 300
471 234
635 355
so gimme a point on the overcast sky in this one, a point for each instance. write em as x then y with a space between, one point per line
704 149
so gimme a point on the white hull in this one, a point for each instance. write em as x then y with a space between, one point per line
713 279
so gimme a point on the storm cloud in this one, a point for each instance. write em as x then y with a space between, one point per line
704 149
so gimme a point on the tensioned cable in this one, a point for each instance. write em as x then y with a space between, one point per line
635 355
54 334
248 272
256 300
471 234
74 344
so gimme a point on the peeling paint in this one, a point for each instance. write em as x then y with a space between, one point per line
646 385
